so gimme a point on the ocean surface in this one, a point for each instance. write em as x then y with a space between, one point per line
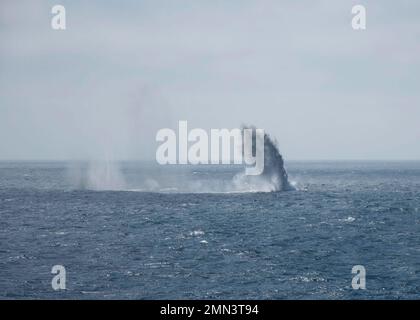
142 231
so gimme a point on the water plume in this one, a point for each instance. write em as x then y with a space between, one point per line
274 176
97 175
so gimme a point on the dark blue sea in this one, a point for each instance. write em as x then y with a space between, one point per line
139 231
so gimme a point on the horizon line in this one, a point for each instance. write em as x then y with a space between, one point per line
150 160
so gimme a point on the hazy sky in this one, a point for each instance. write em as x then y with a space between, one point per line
124 69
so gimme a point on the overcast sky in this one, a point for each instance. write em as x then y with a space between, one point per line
124 69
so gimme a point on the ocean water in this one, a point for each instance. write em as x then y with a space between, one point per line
138 231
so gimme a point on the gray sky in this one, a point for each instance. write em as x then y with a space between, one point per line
124 69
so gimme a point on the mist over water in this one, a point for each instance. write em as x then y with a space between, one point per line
97 175
117 176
